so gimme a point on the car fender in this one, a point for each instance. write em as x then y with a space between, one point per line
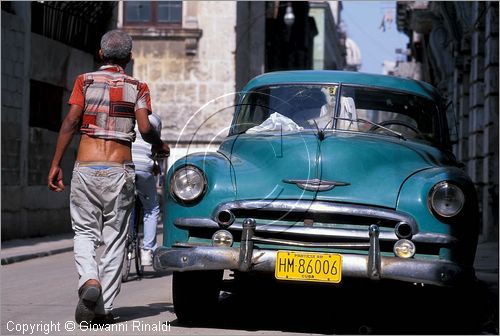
413 200
219 174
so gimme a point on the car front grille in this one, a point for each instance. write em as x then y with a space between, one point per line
287 224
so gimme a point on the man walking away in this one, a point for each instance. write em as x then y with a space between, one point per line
104 106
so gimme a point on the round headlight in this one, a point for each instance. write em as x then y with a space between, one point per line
446 199
188 184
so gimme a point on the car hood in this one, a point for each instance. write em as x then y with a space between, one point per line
364 169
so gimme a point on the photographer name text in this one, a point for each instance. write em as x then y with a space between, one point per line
69 326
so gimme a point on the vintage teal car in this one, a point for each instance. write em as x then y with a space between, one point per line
324 176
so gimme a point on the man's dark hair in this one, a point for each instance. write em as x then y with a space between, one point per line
116 46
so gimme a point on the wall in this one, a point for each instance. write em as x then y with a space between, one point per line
194 95
28 208
250 41
329 44
478 143
13 65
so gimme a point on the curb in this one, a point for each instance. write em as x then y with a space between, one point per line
39 254
24 257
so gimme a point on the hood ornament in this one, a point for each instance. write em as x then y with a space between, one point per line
317 184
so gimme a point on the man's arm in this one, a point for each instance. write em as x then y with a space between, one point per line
68 129
149 134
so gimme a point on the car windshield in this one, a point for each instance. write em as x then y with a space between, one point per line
294 108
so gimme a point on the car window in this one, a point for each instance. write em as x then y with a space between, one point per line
291 108
378 110
298 106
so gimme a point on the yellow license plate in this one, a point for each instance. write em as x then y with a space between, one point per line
308 266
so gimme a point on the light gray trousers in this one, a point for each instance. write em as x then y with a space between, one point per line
101 202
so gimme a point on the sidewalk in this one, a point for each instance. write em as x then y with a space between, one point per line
17 250
486 263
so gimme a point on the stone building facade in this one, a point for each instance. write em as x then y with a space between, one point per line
454 46
190 69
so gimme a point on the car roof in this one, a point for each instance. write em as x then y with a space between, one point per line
344 77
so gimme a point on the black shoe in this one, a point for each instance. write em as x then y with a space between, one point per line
89 294
103 320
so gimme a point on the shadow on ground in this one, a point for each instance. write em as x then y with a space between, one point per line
147 274
358 308
124 314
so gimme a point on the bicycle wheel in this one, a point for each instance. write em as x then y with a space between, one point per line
138 264
127 259
139 222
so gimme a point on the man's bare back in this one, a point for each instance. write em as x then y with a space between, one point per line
103 150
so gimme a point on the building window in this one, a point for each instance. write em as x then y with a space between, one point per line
45 105
79 24
161 20
156 13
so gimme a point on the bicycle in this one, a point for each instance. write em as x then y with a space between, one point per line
133 243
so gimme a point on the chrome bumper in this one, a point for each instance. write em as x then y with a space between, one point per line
372 266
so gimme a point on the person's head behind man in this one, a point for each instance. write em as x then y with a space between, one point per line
116 47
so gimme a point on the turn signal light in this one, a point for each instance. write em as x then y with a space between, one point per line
222 238
404 248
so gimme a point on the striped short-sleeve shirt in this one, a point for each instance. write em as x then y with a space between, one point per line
109 99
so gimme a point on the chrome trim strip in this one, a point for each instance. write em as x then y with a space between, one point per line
307 244
316 184
434 238
195 222
321 207
433 272
361 234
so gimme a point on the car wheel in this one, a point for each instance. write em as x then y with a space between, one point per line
195 295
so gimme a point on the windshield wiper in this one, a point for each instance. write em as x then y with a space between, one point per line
321 132
392 132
